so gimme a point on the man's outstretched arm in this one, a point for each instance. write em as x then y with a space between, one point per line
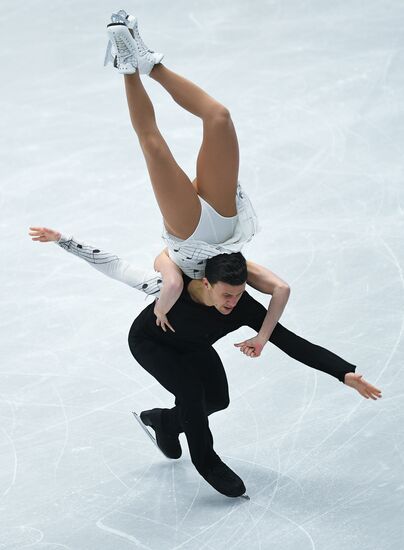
310 354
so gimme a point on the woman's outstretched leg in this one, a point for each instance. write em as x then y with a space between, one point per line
176 197
218 160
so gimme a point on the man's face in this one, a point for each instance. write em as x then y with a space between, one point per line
225 296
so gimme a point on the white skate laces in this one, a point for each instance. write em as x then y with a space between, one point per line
145 58
122 48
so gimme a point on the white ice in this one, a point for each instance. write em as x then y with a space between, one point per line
316 93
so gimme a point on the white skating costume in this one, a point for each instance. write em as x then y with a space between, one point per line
191 254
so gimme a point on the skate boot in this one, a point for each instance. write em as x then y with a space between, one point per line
146 57
168 444
224 480
123 48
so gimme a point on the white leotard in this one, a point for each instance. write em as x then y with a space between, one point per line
232 233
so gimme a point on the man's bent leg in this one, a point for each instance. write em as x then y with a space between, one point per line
215 385
177 375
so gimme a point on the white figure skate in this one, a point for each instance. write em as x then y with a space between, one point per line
146 58
122 48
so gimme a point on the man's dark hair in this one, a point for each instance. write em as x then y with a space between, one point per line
227 268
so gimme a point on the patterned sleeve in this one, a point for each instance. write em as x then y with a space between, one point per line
148 281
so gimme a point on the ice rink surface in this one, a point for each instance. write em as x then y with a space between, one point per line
315 90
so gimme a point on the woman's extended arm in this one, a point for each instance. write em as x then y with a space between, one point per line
147 281
173 284
264 280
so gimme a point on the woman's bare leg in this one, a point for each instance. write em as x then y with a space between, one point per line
176 197
218 159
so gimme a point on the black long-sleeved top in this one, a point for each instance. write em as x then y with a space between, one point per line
197 325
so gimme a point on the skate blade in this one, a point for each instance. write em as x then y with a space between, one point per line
245 497
119 17
109 58
144 428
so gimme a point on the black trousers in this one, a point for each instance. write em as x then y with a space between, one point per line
198 381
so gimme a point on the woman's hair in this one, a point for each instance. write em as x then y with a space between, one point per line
227 268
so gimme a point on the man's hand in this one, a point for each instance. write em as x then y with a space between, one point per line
355 380
252 347
44 234
161 318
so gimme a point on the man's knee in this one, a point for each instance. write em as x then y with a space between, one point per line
218 404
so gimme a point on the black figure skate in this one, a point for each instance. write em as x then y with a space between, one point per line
225 481
168 444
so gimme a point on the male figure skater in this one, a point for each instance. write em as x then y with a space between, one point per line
185 362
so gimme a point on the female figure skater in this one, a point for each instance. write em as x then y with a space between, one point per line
209 216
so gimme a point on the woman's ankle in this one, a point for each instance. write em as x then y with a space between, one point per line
156 71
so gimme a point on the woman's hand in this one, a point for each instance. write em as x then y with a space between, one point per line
161 318
356 381
173 284
253 346
44 234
